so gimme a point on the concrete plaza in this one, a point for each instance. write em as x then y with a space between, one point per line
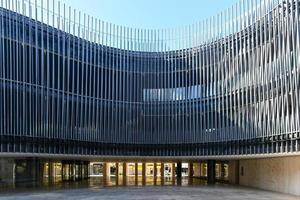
205 192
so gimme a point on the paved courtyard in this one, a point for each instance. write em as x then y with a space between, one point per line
218 192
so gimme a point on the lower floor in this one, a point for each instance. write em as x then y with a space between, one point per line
279 174
51 171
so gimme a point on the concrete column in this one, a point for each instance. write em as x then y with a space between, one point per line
106 169
179 173
50 171
233 172
162 173
117 173
155 169
211 171
38 173
200 172
91 171
144 173
117 170
63 170
72 171
173 174
191 169
125 172
173 170
136 169
190 173
222 171
86 169
106 172
82 170
155 173
144 169
78 174
41 171
162 170
179 170
136 172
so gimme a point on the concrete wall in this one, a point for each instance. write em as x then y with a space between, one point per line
27 170
6 171
276 174
233 172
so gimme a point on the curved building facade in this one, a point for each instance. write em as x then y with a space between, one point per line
72 84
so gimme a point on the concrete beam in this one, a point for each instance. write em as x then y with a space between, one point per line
148 158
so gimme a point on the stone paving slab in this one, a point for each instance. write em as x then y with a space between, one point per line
151 193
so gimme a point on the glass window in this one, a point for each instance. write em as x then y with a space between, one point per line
172 94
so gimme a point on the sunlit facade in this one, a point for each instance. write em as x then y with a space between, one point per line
72 84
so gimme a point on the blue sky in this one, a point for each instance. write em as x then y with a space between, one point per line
151 13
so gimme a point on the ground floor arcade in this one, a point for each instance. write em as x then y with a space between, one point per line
280 174
20 170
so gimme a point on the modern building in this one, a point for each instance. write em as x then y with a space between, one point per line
223 92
